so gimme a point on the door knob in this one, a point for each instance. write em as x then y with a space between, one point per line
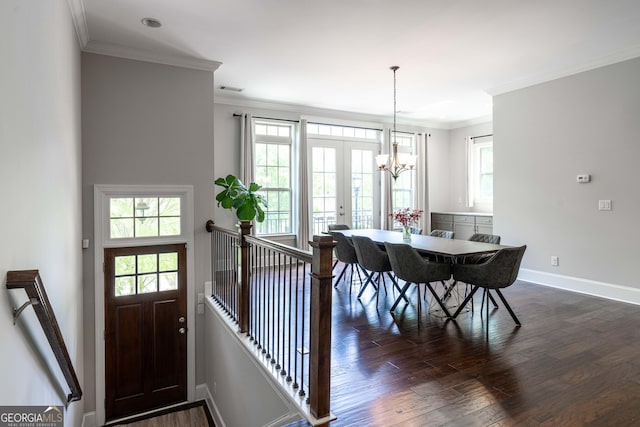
182 330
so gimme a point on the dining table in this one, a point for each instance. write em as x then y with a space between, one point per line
447 250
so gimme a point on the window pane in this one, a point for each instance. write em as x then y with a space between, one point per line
147 263
146 227
170 226
168 261
121 228
121 207
261 130
125 286
146 207
169 206
147 283
168 281
125 265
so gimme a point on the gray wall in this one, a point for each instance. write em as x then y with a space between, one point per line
547 134
40 219
146 123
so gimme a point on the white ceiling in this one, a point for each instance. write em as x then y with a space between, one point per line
336 54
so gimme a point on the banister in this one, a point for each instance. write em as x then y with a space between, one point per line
31 282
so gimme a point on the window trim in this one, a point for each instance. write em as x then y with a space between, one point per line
279 140
101 195
476 158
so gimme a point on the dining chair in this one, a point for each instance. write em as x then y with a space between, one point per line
410 266
500 271
346 254
374 261
445 234
334 227
485 238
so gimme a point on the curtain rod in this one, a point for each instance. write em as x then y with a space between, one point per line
328 124
481 136
268 118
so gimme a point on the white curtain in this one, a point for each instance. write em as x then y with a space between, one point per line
246 150
303 188
422 181
246 153
386 206
469 170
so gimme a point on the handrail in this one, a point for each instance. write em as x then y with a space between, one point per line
31 282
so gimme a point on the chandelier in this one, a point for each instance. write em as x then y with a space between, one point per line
399 162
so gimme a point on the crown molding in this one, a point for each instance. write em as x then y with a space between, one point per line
79 21
127 52
472 122
316 112
612 58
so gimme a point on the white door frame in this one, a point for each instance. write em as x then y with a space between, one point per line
101 194
343 168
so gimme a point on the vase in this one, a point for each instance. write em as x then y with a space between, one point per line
406 233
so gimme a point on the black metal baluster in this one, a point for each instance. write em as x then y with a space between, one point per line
304 285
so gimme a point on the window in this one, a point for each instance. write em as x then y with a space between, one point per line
135 217
482 167
273 142
402 188
140 274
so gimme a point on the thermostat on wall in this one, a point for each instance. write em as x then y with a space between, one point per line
583 179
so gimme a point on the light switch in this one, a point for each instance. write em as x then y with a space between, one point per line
604 205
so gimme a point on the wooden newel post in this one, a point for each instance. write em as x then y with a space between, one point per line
243 278
320 326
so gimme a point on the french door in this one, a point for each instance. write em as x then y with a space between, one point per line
345 184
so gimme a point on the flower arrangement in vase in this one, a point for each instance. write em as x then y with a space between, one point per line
407 217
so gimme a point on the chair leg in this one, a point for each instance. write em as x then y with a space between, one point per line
341 274
486 292
369 279
402 292
395 284
435 296
506 304
466 300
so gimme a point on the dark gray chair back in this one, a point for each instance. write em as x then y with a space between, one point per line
344 250
415 230
499 271
442 233
408 265
485 238
370 256
332 227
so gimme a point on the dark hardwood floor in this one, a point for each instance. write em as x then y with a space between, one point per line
574 362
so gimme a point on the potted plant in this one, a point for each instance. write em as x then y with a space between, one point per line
246 202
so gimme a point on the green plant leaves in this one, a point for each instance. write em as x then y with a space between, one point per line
244 200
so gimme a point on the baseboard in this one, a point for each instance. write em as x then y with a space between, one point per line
583 286
203 393
89 419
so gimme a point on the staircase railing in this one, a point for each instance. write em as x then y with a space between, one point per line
30 281
281 298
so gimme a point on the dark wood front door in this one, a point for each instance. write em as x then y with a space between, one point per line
145 328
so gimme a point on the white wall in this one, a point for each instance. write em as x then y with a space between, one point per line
243 393
438 160
40 219
544 136
146 124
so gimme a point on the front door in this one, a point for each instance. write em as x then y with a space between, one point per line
145 328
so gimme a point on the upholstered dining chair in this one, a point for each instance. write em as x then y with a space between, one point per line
415 230
445 234
374 261
346 254
333 227
485 238
410 266
500 271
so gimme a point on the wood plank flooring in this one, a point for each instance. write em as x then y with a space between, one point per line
574 362
190 415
